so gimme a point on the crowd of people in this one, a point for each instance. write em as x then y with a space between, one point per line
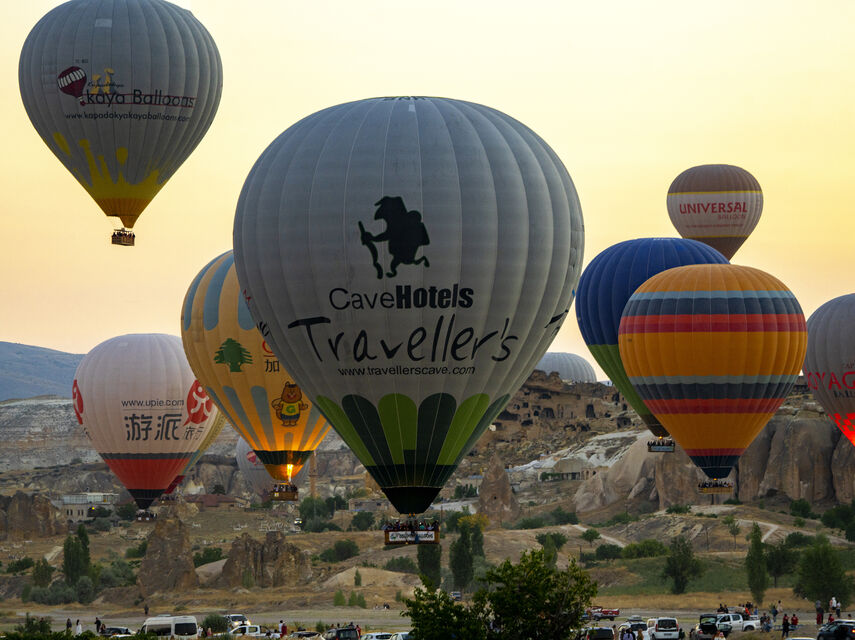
715 484
411 525
285 487
660 442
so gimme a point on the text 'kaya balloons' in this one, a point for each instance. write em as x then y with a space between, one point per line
241 374
569 366
409 260
121 91
604 289
713 350
830 361
143 410
718 204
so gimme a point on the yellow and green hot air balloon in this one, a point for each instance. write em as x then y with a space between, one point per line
713 350
239 371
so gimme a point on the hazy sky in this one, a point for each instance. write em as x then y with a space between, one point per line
628 94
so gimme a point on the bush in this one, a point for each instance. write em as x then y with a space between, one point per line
797 539
338 599
801 508
560 516
25 592
101 524
839 517
465 491
20 566
799 522
733 501
34 626
362 521
137 551
679 509
452 518
216 623
341 550
357 579
127 511
209 554
401 565
534 522
42 573
58 593
321 626
319 524
608 552
648 548
85 590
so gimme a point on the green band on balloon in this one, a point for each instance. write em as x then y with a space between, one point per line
608 357
399 417
338 419
465 420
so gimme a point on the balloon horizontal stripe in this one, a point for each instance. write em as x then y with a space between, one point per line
713 452
737 303
714 405
147 456
716 191
712 323
698 296
714 380
654 392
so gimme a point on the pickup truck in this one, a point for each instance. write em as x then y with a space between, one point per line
598 613
738 622
252 631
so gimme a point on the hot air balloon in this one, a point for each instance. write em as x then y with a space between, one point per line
569 366
409 260
830 361
208 440
713 350
143 410
121 91
252 469
244 377
718 204
604 288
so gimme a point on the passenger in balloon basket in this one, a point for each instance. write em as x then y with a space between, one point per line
715 484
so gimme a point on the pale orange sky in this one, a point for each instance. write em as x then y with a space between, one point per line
628 94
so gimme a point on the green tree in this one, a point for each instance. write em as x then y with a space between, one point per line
73 560
33 627
681 565
452 518
42 573
357 578
338 599
755 565
127 511
85 590
84 541
341 550
401 564
314 508
551 543
475 525
460 559
608 552
534 600
560 516
821 574
801 508
780 560
648 548
429 557
362 521
732 527
215 622
590 535
433 613
232 353
207 555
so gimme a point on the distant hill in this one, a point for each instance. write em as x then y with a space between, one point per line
27 371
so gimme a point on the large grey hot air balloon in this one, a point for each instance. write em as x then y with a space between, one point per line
569 366
830 361
717 204
143 410
253 469
121 91
409 260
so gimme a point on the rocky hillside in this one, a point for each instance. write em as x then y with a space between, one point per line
27 371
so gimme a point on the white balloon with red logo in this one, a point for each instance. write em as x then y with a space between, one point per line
829 367
143 410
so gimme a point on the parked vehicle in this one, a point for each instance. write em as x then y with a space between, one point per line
177 627
236 619
341 633
635 625
708 627
739 622
662 629
401 635
299 635
253 631
116 632
379 635
837 630
599 633
599 613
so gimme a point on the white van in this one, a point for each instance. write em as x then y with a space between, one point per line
178 627
662 629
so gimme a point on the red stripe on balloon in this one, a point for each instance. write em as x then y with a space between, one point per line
714 323
714 405
151 473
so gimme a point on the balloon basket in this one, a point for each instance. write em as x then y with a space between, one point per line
145 516
661 447
123 237
411 532
716 489
284 493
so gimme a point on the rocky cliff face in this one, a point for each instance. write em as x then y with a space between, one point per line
24 516
271 563
496 500
168 561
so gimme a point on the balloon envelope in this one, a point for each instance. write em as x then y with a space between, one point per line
830 361
718 204
252 469
143 410
568 365
243 376
604 289
713 350
409 260
121 91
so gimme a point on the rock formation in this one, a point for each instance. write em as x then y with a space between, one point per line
496 500
168 561
25 516
272 563
843 470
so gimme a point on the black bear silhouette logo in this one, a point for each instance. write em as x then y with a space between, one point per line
405 232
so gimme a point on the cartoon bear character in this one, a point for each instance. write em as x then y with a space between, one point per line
288 406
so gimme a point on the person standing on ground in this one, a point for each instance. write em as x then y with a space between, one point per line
78 628
785 627
819 612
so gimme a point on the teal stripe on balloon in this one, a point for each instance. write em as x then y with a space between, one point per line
191 294
211 310
238 407
220 405
260 399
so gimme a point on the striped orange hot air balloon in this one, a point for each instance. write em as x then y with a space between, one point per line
713 350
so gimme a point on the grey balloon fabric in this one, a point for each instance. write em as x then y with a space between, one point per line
409 260
568 365
121 91
253 469
830 361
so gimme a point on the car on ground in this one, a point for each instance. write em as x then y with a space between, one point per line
635 625
739 622
376 635
708 627
599 613
837 630
236 619
253 631
173 627
298 635
662 629
116 632
598 633
401 635
341 633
